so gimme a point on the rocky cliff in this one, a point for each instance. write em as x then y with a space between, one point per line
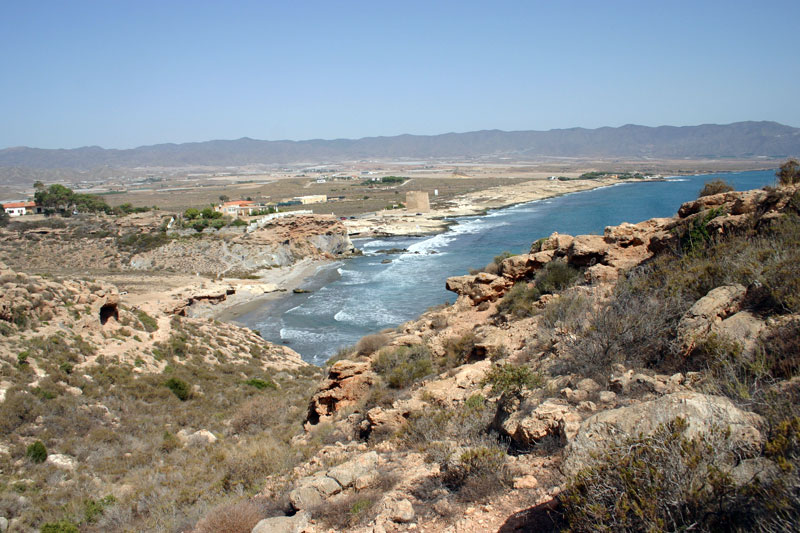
282 242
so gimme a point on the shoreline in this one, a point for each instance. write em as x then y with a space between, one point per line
306 270
403 223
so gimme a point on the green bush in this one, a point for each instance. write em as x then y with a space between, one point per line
261 384
518 302
458 350
404 365
36 452
716 186
179 388
555 277
511 379
149 323
62 526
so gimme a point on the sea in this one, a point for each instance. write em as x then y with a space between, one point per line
355 297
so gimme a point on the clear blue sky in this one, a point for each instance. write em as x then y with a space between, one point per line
121 74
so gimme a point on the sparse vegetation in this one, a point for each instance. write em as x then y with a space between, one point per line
716 186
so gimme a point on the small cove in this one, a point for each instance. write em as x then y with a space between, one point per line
363 295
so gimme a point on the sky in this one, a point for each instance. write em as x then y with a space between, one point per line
121 74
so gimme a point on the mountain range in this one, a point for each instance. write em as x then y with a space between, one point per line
737 140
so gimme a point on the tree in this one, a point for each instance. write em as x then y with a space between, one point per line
223 198
4 218
191 213
789 172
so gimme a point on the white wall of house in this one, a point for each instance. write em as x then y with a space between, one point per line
15 211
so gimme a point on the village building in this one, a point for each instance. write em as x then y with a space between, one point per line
18 209
312 199
240 208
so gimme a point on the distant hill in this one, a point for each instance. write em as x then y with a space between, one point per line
738 140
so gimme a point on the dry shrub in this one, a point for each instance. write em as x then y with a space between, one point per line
239 517
716 186
477 473
249 463
372 343
258 413
669 482
346 511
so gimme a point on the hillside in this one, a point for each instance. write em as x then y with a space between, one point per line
640 380
738 140
536 402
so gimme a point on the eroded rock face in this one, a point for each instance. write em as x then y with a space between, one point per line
282 242
482 287
347 382
701 413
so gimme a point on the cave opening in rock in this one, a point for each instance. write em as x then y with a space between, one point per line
108 311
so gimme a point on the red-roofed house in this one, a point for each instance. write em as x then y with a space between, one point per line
17 209
237 207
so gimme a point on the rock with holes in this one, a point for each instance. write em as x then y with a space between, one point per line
347 382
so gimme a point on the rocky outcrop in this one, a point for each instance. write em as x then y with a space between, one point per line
311 491
478 288
702 414
622 247
347 382
283 242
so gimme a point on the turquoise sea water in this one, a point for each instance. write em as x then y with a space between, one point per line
359 296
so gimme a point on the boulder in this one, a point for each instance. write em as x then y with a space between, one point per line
401 511
744 328
283 524
305 497
346 473
64 462
551 418
587 250
700 411
718 304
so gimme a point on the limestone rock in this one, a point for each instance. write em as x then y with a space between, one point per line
718 304
551 418
700 411
283 524
400 511
3 524
587 250
559 244
482 287
65 462
346 473
198 439
305 497
347 382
